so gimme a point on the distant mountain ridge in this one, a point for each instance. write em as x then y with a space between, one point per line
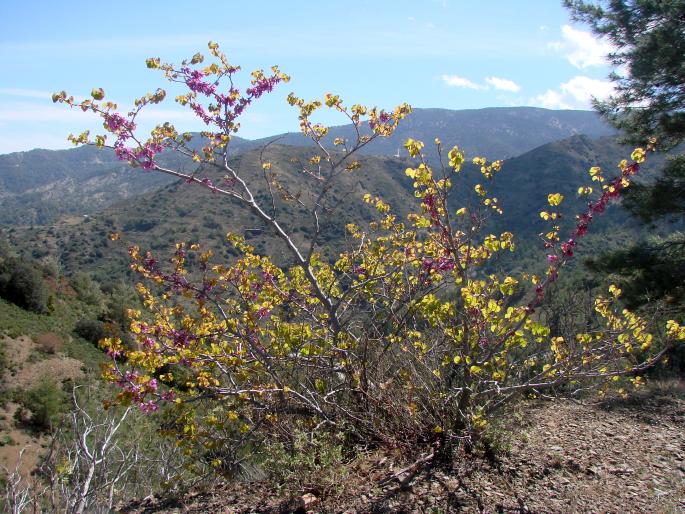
38 186
494 132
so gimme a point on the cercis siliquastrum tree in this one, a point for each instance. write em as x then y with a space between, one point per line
403 339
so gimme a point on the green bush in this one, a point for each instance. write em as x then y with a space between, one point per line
46 402
91 330
87 289
3 361
120 298
23 285
142 225
308 463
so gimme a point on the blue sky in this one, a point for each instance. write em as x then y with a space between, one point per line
454 54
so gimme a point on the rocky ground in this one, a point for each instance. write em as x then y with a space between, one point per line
26 367
565 456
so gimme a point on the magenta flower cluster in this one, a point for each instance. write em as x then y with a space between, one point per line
613 191
228 106
583 221
116 123
265 85
440 264
195 82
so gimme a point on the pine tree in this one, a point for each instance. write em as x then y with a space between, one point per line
649 77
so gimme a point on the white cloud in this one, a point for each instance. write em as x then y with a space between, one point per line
494 82
583 89
503 84
24 125
457 81
59 113
21 141
581 48
577 93
160 115
551 100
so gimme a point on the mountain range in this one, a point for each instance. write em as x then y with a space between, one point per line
85 194
495 132
38 186
156 220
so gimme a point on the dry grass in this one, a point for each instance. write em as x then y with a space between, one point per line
22 374
49 342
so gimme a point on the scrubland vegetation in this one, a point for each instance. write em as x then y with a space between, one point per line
337 328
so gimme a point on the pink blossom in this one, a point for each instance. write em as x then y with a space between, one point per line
149 407
208 182
195 82
201 113
445 264
265 85
116 122
567 248
168 396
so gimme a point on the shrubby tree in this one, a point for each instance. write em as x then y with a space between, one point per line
87 289
649 102
20 492
114 300
119 298
649 41
96 459
46 402
403 340
92 330
22 284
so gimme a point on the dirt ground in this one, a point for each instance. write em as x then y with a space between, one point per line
566 456
22 373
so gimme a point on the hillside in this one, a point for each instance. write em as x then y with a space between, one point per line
535 465
178 211
38 186
496 132
156 220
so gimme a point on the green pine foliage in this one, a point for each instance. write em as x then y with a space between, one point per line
649 37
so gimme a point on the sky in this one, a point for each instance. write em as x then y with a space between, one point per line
453 54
